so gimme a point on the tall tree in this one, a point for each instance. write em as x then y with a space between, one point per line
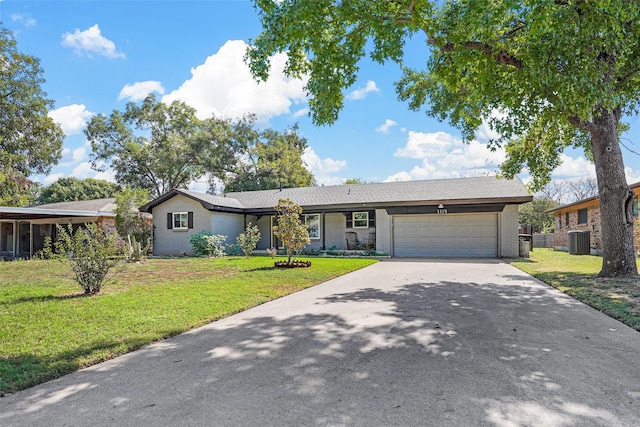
71 189
30 142
272 159
545 74
153 146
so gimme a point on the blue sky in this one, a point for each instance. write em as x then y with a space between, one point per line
99 55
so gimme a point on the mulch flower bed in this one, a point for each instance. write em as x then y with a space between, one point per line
294 264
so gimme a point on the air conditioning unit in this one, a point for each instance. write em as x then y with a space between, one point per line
579 242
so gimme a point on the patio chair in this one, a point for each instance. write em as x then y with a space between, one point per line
352 240
370 243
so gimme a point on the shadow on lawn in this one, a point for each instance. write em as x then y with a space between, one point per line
46 298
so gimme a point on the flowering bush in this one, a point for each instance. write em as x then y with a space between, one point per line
207 244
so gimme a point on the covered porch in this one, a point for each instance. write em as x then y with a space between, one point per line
23 230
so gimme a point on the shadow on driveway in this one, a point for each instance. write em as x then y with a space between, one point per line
398 343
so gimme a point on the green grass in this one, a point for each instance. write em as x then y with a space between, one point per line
49 328
576 276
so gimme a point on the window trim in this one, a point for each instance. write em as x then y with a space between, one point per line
315 236
180 222
586 216
365 219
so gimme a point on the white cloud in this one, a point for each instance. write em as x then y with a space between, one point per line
91 41
363 92
446 156
71 118
223 86
79 154
107 175
50 179
301 112
202 185
632 176
84 170
72 156
139 90
577 167
27 21
324 170
384 128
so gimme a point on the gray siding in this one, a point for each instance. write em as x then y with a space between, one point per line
264 225
176 242
227 224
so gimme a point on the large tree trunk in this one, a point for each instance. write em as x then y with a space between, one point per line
615 198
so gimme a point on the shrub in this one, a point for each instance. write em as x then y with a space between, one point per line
234 250
272 251
134 251
249 239
207 244
90 251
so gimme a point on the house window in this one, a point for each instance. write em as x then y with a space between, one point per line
566 217
361 220
312 221
180 220
634 207
582 216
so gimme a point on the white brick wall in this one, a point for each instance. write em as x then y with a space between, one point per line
383 231
176 242
508 220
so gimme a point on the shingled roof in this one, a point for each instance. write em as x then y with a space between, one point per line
476 190
95 205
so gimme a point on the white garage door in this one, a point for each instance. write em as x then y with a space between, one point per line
449 235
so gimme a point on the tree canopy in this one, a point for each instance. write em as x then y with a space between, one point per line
153 146
545 74
157 147
71 189
30 141
271 160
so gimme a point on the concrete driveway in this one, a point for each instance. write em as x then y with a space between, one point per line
400 343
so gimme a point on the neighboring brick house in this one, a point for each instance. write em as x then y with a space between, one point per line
585 215
23 230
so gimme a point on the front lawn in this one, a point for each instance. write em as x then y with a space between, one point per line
575 275
49 328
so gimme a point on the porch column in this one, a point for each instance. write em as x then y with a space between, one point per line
16 230
324 246
30 239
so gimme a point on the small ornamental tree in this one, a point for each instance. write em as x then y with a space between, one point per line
90 250
293 233
249 239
